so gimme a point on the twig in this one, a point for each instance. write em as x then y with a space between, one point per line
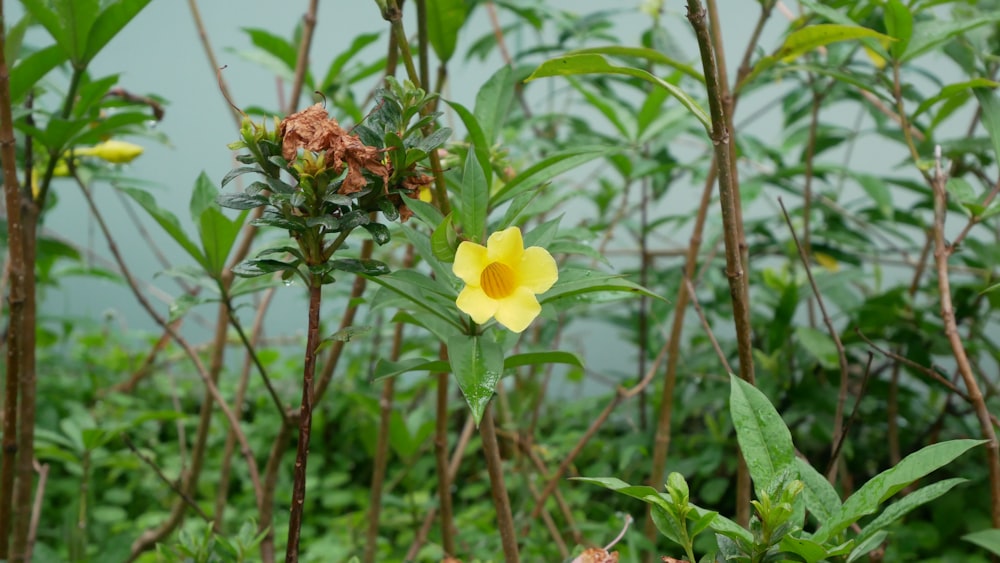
941 252
456 459
621 394
834 457
173 486
210 55
302 60
708 329
494 466
838 417
36 508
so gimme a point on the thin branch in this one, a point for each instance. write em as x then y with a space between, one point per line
302 60
707 327
173 486
838 417
941 252
494 466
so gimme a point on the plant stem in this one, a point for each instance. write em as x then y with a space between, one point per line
735 271
441 459
941 253
494 466
305 422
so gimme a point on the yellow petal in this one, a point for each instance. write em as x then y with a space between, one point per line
517 311
506 246
425 195
470 261
475 303
117 152
537 270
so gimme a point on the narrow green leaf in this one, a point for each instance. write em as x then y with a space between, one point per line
990 117
218 232
477 363
899 25
444 20
480 143
878 191
334 71
444 241
819 344
820 497
109 23
475 197
78 17
30 70
864 547
986 539
952 90
651 55
812 37
278 48
764 439
900 508
493 102
886 484
808 550
548 168
576 282
931 34
50 20
540 358
240 200
167 220
356 266
424 211
596 64
424 246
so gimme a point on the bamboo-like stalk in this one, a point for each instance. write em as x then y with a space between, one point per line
942 250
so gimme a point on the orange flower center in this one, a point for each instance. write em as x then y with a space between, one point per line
497 280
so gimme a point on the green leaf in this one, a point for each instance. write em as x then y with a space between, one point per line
819 344
444 20
764 439
480 143
809 38
240 200
990 117
277 47
52 22
475 197
900 508
548 168
493 102
986 539
424 211
477 362
886 484
218 232
541 358
595 64
932 33
651 55
952 90
167 220
899 25
808 550
863 548
576 282
385 368
356 266
820 497
30 70
260 267
444 241
336 67
112 20
424 246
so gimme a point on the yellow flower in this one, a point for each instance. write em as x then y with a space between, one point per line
117 152
502 279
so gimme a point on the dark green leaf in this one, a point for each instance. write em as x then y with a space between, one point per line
30 70
379 232
241 201
368 267
384 368
987 539
990 117
167 220
477 137
541 358
109 23
475 195
477 362
444 20
899 25
764 439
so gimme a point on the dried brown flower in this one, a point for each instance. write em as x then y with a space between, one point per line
597 555
314 130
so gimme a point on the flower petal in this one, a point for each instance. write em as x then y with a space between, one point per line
470 261
517 311
537 270
506 246
475 303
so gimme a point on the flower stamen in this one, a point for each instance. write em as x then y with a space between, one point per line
498 280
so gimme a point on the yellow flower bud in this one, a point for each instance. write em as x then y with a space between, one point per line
117 152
